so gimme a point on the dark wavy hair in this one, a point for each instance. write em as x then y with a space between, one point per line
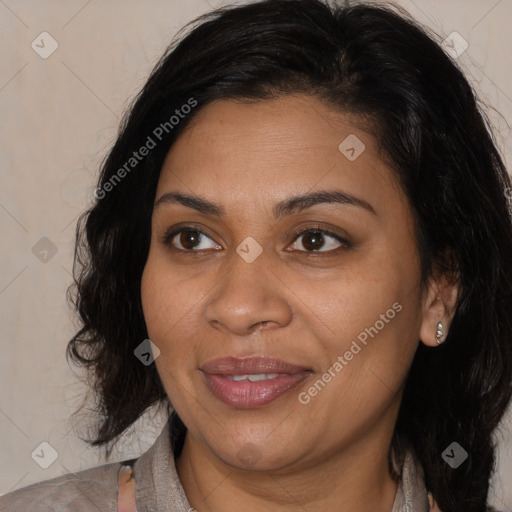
386 70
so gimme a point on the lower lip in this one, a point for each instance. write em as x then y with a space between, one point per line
246 394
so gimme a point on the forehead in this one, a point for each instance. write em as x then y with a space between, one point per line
271 149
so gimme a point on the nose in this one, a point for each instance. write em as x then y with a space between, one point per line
249 298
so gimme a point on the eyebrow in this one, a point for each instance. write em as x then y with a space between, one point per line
282 209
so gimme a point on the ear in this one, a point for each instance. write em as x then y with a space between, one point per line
438 305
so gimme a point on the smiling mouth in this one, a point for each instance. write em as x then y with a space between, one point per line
253 381
247 391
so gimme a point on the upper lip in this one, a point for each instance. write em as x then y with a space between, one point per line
250 365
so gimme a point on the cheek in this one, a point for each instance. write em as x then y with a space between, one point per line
167 299
156 304
345 304
167 314
169 321
369 318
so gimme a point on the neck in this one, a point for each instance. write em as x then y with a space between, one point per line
356 478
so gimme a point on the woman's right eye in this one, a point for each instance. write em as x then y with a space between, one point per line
188 239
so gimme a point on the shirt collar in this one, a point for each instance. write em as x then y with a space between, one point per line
412 495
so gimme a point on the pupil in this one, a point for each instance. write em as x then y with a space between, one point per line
313 241
189 239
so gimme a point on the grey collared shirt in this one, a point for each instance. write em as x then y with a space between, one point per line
158 487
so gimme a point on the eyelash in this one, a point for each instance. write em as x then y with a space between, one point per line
171 233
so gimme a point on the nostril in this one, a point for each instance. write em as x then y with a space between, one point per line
257 326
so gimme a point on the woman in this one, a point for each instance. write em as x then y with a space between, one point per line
306 214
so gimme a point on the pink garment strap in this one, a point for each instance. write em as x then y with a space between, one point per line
126 494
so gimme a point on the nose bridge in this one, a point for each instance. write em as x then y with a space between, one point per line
249 294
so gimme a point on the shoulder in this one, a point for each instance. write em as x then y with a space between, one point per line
88 490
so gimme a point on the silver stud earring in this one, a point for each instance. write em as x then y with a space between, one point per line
439 333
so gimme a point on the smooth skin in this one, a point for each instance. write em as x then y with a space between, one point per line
304 300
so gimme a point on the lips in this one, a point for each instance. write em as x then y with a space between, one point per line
252 381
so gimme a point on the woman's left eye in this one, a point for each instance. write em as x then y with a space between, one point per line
314 239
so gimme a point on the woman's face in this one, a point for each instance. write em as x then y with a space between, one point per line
238 288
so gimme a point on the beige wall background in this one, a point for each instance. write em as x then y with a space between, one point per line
59 116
